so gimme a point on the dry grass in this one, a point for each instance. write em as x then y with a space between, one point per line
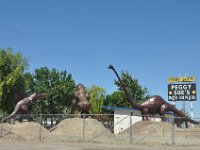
83 130
91 130
150 132
23 131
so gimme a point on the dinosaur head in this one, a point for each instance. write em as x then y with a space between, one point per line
80 87
111 67
37 96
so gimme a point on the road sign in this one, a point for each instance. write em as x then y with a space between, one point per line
181 79
182 92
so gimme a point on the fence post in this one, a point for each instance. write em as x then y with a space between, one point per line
173 131
130 129
40 130
1 126
84 116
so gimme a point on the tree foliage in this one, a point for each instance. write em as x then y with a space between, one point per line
12 67
116 99
59 87
97 96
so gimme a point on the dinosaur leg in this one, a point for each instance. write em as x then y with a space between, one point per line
152 117
186 124
85 113
71 108
162 112
69 112
145 114
24 109
79 114
161 116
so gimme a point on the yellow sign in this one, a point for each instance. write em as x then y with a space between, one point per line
181 79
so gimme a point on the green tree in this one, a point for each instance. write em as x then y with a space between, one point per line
59 87
116 99
97 96
29 82
12 67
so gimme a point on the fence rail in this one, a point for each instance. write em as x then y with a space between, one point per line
97 128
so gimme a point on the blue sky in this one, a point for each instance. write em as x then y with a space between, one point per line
152 40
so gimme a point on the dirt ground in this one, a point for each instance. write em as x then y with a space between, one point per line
87 146
68 135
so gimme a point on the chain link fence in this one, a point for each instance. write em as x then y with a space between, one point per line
95 128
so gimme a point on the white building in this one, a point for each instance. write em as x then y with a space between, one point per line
123 117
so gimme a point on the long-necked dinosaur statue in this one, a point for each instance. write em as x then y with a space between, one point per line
22 105
80 101
154 105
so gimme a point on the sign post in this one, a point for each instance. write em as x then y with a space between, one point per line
191 110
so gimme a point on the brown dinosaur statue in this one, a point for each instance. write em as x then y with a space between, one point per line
22 105
80 101
180 120
154 105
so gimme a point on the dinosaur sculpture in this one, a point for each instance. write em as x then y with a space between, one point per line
154 105
179 120
22 105
80 101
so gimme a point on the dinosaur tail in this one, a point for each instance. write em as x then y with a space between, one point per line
9 117
181 114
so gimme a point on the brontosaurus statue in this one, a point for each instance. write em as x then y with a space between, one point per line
80 101
22 105
179 120
154 105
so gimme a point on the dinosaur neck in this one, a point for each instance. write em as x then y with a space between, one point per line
130 100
